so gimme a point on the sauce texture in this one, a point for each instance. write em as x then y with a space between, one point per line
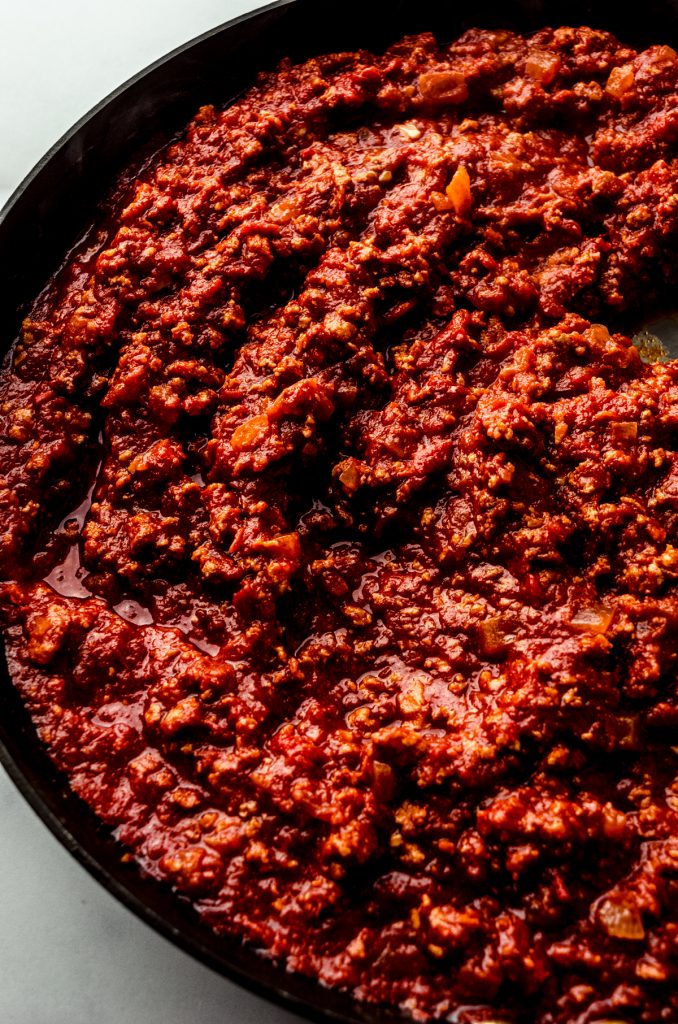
338 524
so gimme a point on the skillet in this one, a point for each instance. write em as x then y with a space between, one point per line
49 212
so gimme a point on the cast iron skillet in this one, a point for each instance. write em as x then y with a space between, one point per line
45 217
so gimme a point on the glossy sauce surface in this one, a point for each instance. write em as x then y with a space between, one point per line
338 524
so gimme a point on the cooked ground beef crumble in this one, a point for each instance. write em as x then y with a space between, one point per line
338 524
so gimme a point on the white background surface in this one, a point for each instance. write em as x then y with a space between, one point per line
69 953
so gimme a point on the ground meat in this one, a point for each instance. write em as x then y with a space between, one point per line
339 534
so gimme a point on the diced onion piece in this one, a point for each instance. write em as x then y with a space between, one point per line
625 431
307 396
410 130
620 80
628 732
542 66
285 545
621 920
250 433
494 637
349 476
592 620
412 699
459 192
442 87
441 201
384 780
599 335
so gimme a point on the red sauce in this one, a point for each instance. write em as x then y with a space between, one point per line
362 634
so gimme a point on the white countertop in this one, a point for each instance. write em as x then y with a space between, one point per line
69 953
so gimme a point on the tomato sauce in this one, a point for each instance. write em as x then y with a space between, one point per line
339 524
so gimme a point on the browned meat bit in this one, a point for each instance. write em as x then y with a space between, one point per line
339 538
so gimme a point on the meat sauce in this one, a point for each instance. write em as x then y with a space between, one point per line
338 524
